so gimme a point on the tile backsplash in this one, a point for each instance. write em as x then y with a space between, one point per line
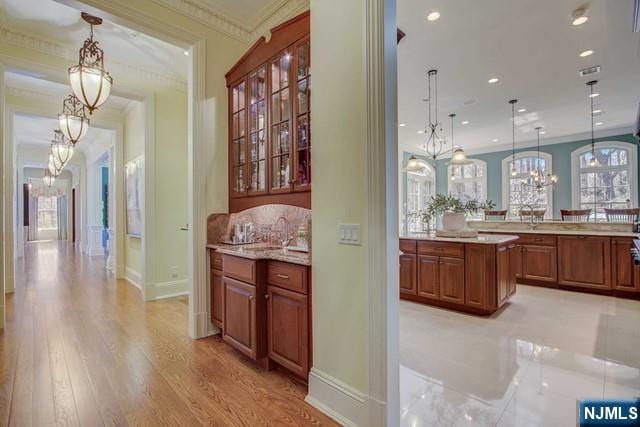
264 218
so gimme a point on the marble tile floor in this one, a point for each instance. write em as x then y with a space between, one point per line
526 365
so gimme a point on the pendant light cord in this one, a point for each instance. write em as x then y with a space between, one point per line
593 147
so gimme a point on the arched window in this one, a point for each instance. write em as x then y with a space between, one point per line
515 194
420 186
468 182
612 183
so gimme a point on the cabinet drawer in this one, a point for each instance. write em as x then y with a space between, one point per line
240 268
408 246
216 260
537 239
441 249
288 276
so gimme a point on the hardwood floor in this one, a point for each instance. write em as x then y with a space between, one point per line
80 348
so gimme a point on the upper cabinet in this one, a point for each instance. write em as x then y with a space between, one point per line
270 120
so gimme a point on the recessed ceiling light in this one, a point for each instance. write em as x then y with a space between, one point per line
466 122
593 95
493 80
542 132
402 125
580 20
433 16
495 140
599 123
420 132
522 110
597 111
586 53
186 53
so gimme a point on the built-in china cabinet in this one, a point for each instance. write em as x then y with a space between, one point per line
270 120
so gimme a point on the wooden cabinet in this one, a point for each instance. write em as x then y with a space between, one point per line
584 261
270 120
503 274
217 298
539 263
408 274
515 262
428 277
451 279
625 274
288 326
241 313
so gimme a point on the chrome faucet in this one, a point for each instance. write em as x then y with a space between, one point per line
533 222
284 236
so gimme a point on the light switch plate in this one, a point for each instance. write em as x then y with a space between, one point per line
349 234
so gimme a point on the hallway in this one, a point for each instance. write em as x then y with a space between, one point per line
80 348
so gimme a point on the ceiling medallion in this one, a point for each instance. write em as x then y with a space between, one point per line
73 120
61 150
89 80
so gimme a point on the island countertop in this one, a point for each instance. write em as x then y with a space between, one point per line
262 251
485 239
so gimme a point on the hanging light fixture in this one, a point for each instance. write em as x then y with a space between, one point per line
538 178
48 178
73 120
413 165
514 172
61 149
458 157
51 166
594 161
89 80
435 144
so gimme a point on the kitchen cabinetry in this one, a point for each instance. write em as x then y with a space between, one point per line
584 261
451 279
428 276
539 263
270 120
625 274
216 289
408 274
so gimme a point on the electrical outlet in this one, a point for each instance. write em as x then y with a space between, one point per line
173 271
349 234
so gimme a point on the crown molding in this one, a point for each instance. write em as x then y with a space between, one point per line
32 42
220 21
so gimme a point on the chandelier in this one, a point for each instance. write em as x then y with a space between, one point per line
73 120
435 144
594 161
539 179
48 178
458 157
61 150
51 166
89 80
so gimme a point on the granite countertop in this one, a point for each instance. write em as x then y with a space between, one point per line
263 251
560 232
487 239
567 228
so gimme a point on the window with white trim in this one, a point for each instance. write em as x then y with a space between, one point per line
421 185
47 213
468 182
611 183
518 191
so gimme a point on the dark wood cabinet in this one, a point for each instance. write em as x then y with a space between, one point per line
217 298
241 311
270 120
451 279
503 274
428 277
584 261
625 274
408 274
539 263
515 263
288 326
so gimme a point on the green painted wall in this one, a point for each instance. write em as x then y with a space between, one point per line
561 166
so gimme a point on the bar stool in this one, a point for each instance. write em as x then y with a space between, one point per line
577 215
622 215
495 215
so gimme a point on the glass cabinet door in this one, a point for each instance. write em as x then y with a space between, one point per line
257 131
238 140
302 161
280 120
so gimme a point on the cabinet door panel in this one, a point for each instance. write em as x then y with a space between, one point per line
515 262
408 274
584 261
503 274
217 298
288 329
428 278
539 263
479 268
625 275
240 316
451 279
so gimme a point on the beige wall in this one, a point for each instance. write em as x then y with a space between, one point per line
134 135
339 181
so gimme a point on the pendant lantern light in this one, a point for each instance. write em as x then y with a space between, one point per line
458 157
514 172
61 150
73 120
594 161
51 166
539 178
89 80
48 178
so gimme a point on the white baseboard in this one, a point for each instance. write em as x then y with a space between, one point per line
155 291
339 401
133 277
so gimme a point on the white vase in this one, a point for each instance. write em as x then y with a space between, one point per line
452 221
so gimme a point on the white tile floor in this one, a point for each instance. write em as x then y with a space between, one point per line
526 365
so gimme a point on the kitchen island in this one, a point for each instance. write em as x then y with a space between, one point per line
475 275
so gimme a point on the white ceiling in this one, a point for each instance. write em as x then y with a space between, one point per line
247 13
33 130
63 24
531 46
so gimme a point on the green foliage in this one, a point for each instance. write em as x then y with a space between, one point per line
441 203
